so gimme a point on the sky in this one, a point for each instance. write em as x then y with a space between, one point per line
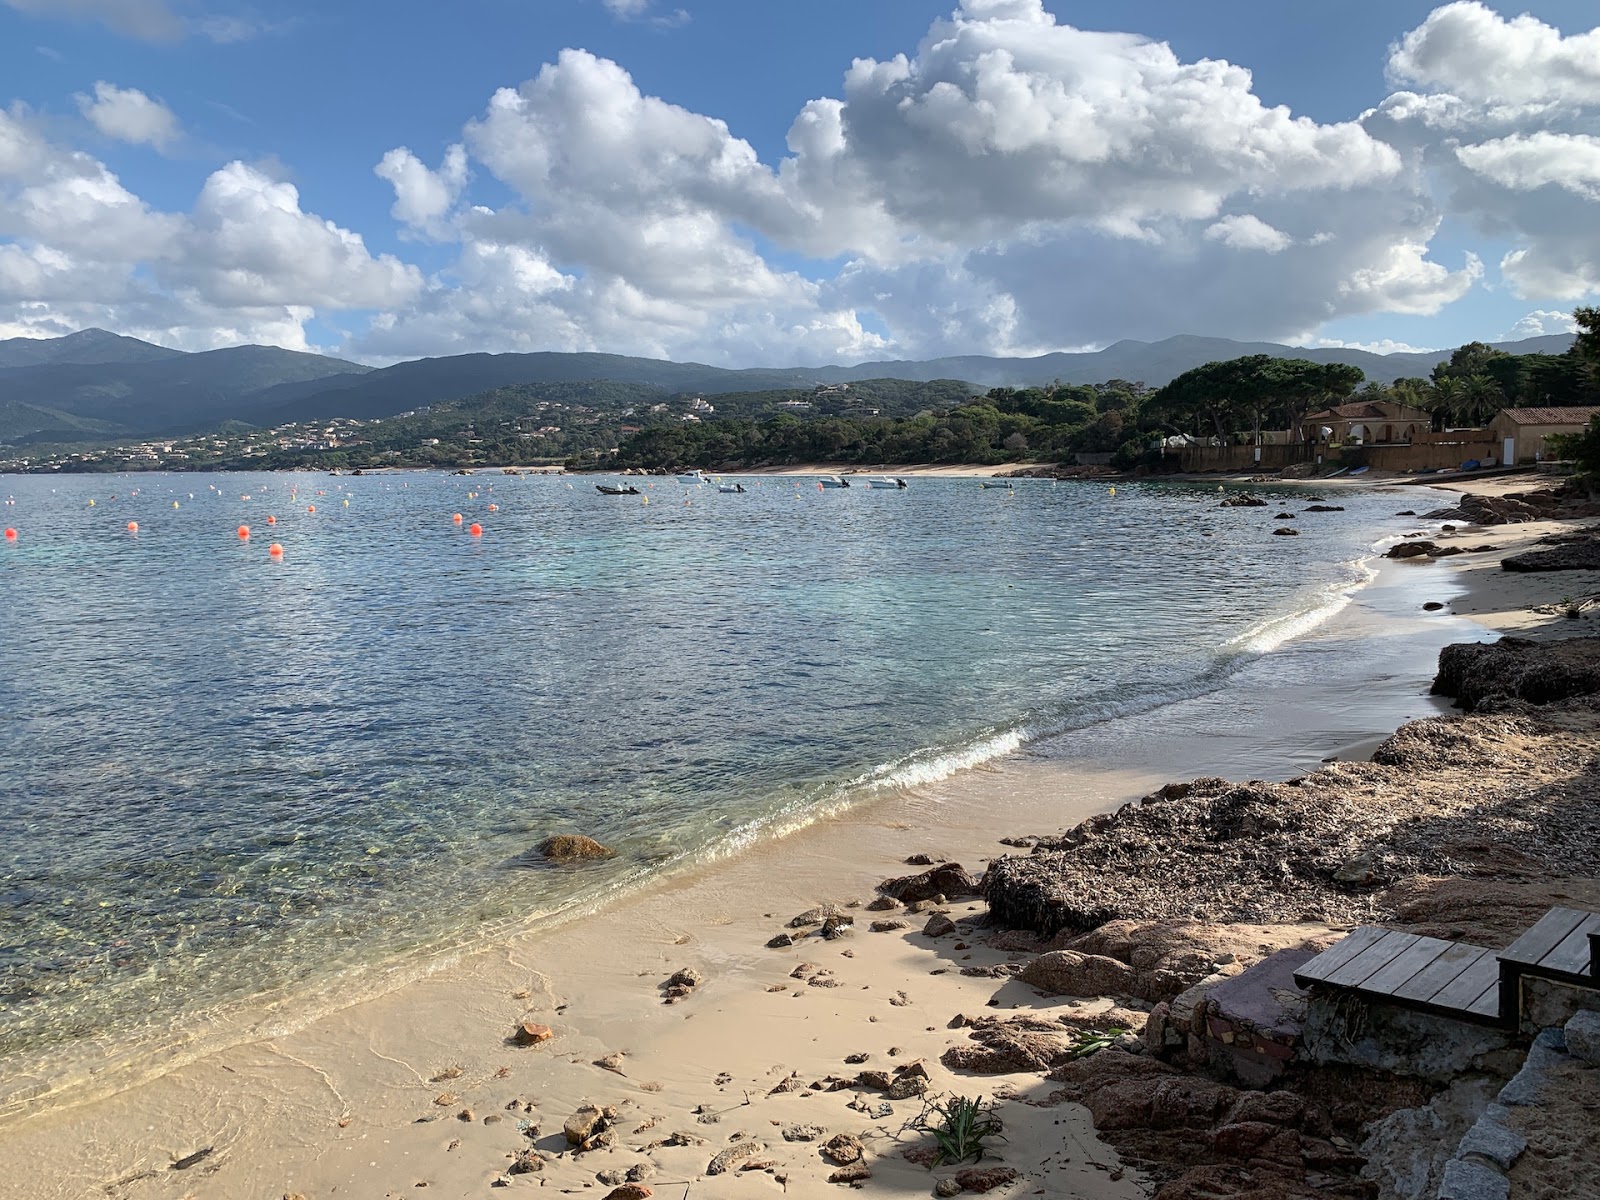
746 183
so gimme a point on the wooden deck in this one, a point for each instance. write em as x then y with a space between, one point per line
1455 979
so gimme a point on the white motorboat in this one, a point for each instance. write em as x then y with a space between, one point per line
833 481
696 476
886 482
1003 485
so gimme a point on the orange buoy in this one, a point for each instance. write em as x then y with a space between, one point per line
476 530
272 520
133 527
11 535
456 518
244 533
275 550
494 508
311 508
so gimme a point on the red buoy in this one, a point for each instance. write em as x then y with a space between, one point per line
476 530
272 520
133 527
456 518
11 535
275 550
244 533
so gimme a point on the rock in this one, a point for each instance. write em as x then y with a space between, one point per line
1325 508
1432 606
907 1087
531 1033
804 1133
1411 550
1465 1180
883 904
1359 870
947 879
733 1156
924 860
1406 512
887 926
572 848
1583 1037
782 940
1286 531
1284 516
1069 973
584 1124
984 1179
639 1172
837 926
1243 500
1484 676
681 984
611 1062
877 1080
939 925
844 1149
814 916
528 1162
630 1191
854 1173
1493 1140
947 1188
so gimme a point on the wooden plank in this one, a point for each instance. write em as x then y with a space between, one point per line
1467 988
1572 955
1488 1004
1548 933
1594 956
1459 957
1387 980
1352 944
1376 956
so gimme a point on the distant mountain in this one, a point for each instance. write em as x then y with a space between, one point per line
1156 363
87 346
96 384
149 392
427 381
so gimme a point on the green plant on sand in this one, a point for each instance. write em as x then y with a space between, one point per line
1092 1041
959 1125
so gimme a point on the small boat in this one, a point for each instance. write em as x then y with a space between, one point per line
730 487
1003 485
886 482
833 481
625 490
695 476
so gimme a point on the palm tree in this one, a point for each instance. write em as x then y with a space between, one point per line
1482 399
1445 399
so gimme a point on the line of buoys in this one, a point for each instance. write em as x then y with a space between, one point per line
476 530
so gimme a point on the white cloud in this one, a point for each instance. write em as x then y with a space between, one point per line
1248 232
1382 346
128 115
1524 162
1468 50
423 197
1540 323
642 10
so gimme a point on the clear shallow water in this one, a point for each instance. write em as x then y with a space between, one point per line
222 776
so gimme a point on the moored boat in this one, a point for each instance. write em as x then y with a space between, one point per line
833 481
886 482
625 490
695 476
730 487
1003 485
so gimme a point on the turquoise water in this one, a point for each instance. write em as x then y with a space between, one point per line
223 775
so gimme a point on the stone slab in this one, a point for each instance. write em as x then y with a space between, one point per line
1583 1037
1473 1181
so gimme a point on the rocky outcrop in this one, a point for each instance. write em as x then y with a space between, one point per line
1243 500
1577 555
1490 676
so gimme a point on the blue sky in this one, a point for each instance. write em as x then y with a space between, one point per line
204 174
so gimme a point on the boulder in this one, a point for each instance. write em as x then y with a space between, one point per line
733 1156
984 1179
938 926
886 926
1325 508
1286 531
1411 550
630 1191
1069 973
568 848
1583 1037
844 1149
946 879
1243 500
779 942
854 1173
531 1033
1485 676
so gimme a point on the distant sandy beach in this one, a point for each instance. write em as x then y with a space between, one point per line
423 1087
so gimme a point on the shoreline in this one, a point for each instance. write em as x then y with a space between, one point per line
294 1113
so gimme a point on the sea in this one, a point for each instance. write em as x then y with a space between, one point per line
228 774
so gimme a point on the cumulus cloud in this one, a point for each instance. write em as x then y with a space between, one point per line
424 197
1525 162
1245 231
128 115
146 20
1468 50
1541 323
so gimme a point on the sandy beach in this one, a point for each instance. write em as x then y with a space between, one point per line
733 1088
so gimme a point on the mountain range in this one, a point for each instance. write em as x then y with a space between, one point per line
95 385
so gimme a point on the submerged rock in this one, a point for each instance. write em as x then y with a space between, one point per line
568 848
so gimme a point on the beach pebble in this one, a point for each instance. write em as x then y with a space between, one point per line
886 926
630 1191
925 860
467 1115
837 926
528 1162
733 1156
947 1187
939 925
854 1173
779 942
883 904
531 1033
611 1062
804 1133
813 916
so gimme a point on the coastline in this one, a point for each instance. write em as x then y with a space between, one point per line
336 1104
